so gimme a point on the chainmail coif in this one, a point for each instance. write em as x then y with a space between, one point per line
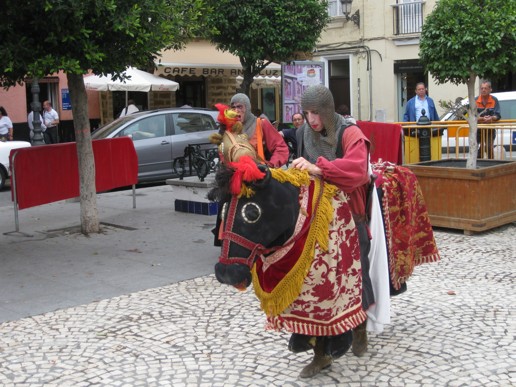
249 120
319 99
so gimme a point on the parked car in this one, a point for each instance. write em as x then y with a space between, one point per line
160 136
506 137
5 150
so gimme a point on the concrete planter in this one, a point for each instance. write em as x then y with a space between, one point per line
468 199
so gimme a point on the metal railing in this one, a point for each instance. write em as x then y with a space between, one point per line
407 18
201 158
441 140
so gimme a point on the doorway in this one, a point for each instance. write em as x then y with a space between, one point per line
408 74
119 100
47 91
339 82
192 92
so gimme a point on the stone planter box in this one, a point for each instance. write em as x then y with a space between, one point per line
468 199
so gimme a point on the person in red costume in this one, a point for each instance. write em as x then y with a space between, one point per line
264 137
329 148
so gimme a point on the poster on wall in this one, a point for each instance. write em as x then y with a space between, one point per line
65 100
296 78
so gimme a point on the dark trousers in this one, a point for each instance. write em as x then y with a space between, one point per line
365 246
50 135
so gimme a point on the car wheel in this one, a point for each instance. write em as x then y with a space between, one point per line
3 178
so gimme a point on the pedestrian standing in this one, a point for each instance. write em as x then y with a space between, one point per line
6 126
51 120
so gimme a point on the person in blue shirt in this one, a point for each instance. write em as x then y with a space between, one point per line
419 102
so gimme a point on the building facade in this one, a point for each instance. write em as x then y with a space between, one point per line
208 76
372 57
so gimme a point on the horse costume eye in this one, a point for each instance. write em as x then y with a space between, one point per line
224 211
251 212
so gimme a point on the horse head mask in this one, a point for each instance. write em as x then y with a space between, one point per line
232 142
258 214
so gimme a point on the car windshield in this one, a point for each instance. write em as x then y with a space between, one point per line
508 109
106 130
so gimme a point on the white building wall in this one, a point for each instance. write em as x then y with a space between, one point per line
375 93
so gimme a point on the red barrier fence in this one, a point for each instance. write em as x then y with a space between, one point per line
386 141
46 174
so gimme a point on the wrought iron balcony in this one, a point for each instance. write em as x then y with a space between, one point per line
408 18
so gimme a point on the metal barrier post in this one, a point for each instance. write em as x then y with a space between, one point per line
13 188
424 135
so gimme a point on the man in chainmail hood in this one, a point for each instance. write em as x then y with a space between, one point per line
321 141
264 137
338 153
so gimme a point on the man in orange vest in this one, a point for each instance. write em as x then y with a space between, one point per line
488 109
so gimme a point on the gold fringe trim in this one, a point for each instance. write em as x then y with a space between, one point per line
289 288
295 177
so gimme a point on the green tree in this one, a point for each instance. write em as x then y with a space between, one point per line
43 37
462 40
263 31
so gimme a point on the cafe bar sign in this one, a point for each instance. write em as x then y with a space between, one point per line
211 71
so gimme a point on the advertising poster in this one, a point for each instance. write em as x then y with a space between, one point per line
296 78
65 100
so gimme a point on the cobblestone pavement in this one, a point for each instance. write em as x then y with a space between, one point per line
455 326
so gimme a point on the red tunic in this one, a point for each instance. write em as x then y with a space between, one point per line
274 143
349 173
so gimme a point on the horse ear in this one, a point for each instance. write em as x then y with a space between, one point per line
262 183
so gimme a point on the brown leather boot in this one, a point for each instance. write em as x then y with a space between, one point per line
359 346
320 361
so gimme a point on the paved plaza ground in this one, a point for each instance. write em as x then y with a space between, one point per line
455 326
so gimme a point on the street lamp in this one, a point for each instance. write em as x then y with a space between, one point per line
346 10
36 109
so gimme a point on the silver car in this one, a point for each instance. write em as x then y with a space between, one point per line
161 136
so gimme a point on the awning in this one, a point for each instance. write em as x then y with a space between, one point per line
262 81
138 81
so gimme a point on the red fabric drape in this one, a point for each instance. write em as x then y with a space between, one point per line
410 237
46 174
385 141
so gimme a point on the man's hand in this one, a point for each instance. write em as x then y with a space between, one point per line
304 165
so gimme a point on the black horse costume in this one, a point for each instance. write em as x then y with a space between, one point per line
306 245
300 252
293 237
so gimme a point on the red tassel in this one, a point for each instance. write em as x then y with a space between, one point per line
246 170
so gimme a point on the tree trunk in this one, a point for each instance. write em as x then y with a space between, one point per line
245 86
79 99
472 122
